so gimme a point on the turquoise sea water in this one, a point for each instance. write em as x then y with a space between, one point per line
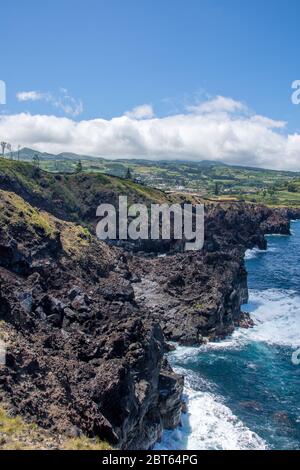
244 392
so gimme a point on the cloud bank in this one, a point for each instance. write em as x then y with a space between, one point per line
219 129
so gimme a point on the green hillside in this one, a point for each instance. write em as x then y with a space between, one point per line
206 178
73 197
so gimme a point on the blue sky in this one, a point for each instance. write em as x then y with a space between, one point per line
99 59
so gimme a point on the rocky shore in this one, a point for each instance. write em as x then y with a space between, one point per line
197 297
87 325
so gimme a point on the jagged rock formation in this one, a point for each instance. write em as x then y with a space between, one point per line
87 323
81 358
198 296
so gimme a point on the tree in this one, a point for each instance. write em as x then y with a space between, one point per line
79 167
36 160
128 174
10 149
292 188
271 191
3 145
217 189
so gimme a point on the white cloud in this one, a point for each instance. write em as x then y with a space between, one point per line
61 100
145 111
30 96
222 129
219 104
66 103
267 122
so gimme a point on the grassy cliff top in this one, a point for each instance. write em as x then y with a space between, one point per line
47 184
76 196
31 227
205 178
73 197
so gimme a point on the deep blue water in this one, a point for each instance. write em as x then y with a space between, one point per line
244 392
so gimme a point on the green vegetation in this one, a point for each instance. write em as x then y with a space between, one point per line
14 211
70 178
284 193
128 174
36 160
17 434
74 238
79 167
12 431
74 197
70 241
83 443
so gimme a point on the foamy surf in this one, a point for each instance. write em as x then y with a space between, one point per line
209 425
241 392
255 252
276 314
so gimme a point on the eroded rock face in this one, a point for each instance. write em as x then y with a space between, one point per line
205 307
198 296
99 370
81 355
88 323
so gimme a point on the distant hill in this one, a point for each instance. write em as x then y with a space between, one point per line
26 154
206 178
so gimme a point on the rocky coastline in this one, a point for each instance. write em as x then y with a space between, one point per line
87 324
197 297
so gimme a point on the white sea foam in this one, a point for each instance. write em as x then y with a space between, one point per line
209 425
276 314
251 254
255 252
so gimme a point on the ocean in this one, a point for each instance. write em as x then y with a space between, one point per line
243 393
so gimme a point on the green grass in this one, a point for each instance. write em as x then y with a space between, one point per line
17 434
75 194
278 198
15 211
84 443
202 178
71 197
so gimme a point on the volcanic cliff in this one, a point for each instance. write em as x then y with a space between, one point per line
86 324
